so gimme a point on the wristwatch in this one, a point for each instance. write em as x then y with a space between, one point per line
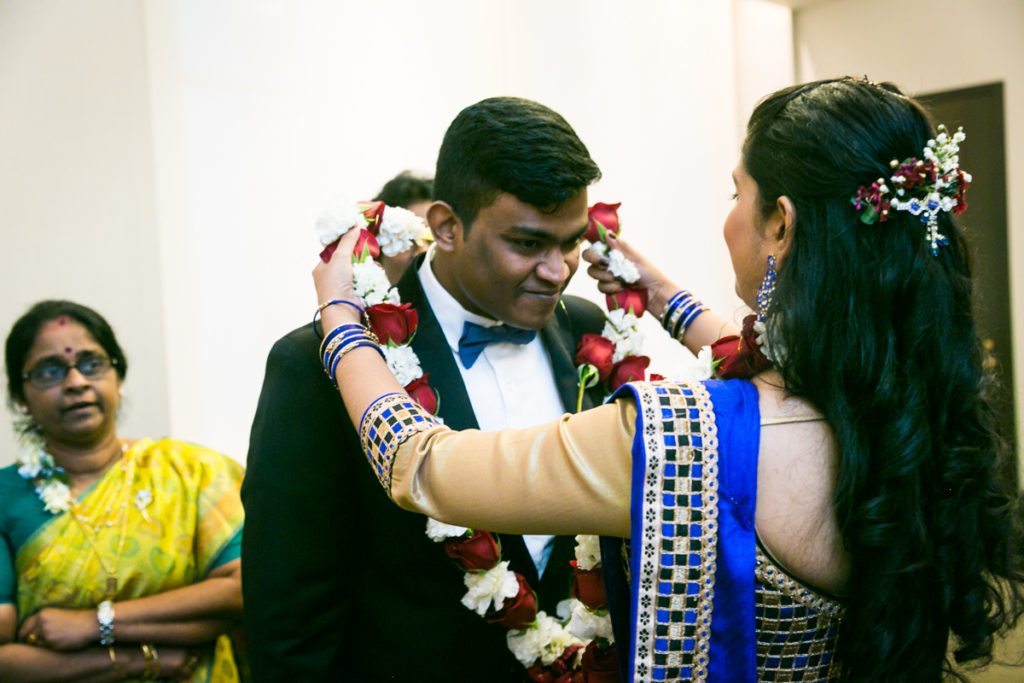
105 618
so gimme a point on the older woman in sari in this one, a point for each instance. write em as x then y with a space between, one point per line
120 558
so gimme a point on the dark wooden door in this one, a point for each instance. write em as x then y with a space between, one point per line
983 154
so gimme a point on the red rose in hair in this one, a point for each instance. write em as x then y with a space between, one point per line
479 551
373 212
739 355
518 612
394 324
634 300
423 393
629 369
597 351
588 586
600 216
600 664
962 183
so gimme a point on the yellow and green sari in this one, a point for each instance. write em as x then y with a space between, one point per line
184 519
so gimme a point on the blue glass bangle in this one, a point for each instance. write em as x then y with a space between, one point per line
316 316
689 320
351 347
684 309
338 330
344 343
342 339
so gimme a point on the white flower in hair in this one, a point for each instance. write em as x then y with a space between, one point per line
338 219
621 267
400 230
56 496
587 624
588 551
439 531
403 363
491 587
370 282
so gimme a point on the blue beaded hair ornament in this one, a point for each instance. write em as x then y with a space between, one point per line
923 187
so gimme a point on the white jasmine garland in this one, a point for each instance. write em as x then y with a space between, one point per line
32 460
587 624
701 369
491 587
545 641
55 494
588 552
621 267
338 219
622 329
599 248
403 363
370 282
439 531
400 230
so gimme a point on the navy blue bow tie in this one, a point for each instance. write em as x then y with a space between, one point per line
476 337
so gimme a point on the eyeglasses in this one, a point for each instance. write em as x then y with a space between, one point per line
51 373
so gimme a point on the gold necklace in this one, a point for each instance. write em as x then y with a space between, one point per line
128 465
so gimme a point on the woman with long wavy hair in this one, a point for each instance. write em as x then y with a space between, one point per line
840 512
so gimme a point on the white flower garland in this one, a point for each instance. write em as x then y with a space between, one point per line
36 465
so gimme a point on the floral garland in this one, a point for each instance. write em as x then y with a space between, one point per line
576 647
612 357
37 466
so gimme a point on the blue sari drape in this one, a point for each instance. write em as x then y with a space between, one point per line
692 547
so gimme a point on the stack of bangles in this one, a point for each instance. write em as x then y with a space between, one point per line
344 339
680 312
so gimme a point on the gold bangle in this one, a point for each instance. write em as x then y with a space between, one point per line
152 668
113 662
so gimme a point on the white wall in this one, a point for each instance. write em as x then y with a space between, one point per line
77 216
169 157
264 110
926 46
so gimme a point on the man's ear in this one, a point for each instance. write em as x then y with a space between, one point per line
445 224
781 226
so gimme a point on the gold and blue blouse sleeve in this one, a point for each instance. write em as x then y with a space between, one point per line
570 476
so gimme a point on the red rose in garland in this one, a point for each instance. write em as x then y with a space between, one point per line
739 355
597 351
588 586
632 300
393 324
629 369
374 212
602 219
479 551
600 664
558 671
518 612
423 393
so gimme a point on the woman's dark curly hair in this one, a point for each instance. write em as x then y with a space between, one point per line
879 334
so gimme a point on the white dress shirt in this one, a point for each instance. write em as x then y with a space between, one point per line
509 386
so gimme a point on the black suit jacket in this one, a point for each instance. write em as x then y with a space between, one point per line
339 583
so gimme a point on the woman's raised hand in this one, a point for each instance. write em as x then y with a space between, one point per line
659 287
333 280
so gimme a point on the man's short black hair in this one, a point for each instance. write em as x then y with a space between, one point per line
508 144
406 189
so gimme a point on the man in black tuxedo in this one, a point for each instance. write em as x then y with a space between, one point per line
339 583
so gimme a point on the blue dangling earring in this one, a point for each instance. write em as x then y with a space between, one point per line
766 290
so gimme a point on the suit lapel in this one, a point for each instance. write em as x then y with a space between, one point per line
561 347
435 355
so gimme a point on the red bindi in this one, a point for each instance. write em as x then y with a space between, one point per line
67 350
62 320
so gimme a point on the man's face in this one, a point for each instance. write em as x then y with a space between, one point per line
516 259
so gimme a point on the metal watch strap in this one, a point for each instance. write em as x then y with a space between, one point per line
105 618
